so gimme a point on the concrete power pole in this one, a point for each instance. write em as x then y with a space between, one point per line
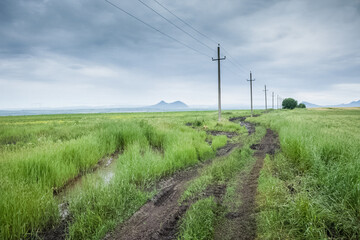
273 101
251 97
219 80
265 99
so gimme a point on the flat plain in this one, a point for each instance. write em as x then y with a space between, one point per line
181 175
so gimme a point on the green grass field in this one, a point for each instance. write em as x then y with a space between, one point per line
310 189
41 153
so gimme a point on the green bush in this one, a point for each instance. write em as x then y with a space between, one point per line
301 105
289 103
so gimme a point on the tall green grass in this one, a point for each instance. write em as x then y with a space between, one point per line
199 220
34 173
205 214
311 190
41 153
138 166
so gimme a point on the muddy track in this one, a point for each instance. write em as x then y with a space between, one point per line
159 217
249 126
242 223
219 133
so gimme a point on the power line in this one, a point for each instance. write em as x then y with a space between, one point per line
236 73
236 67
236 63
159 31
173 38
172 23
183 21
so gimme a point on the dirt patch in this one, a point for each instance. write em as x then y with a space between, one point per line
217 191
237 119
268 145
56 233
241 224
218 133
226 149
249 126
159 217
241 119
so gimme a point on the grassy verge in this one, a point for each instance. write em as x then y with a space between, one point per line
311 190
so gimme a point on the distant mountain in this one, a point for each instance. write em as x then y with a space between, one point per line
160 107
352 104
169 106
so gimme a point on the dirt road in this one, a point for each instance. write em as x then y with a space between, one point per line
242 223
158 218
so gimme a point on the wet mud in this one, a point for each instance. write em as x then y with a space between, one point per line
241 224
219 133
249 126
159 217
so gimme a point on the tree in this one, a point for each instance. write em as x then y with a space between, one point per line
289 103
301 105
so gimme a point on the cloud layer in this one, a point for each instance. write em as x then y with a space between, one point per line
70 53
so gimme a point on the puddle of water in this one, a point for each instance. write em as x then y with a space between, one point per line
249 127
63 210
104 173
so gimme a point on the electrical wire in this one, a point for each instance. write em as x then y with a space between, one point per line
172 23
232 62
228 68
159 31
202 34
183 21
236 66
235 63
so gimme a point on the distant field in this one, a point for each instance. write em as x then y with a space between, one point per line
51 186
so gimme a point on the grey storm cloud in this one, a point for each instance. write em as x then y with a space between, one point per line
87 52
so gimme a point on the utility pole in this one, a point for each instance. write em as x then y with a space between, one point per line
265 99
219 81
251 97
273 100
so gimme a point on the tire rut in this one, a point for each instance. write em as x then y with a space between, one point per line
242 223
159 217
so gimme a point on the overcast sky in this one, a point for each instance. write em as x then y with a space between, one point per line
89 53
